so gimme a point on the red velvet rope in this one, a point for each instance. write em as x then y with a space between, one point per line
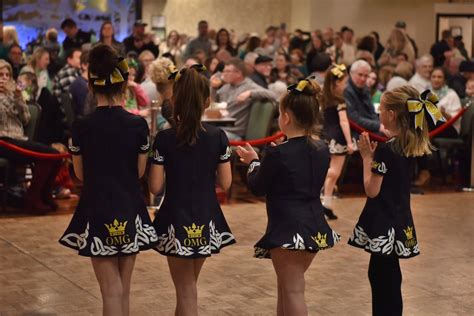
257 142
378 138
254 142
33 154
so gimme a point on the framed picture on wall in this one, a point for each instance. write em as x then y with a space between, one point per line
456 31
158 22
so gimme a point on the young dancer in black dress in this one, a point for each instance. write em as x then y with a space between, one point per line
110 148
190 223
336 130
385 228
291 176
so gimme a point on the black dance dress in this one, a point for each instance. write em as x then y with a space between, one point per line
332 130
190 222
111 218
386 226
291 176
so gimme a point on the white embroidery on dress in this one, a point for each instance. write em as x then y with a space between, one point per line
253 165
169 244
147 145
157 157
77 241
228 153
382 244
74 149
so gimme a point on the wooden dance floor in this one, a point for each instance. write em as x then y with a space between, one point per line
40 277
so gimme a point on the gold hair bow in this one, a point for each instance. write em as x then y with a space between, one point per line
338 70
424 107
299 87
175 75
118 75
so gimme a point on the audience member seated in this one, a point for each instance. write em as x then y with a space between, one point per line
10 37
239 92
68 73
449 102
348 49
397 43
335 51
145 59
262 70
51 127
458 81
136 100
421 79
284 71
252 43
15 115
75 37
297 61
38 65
201 42
223 43
385 73
359 100
373 85
160 70
172 47
403 72
83 101
107 37
300 40
316 47
249 61
138 41
441 49
53 47
380 48
15 58
327 36
319 67
402 26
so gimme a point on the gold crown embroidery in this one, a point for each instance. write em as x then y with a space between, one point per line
194 231
321 240
409 232
116 228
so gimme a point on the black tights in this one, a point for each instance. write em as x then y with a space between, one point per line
385 279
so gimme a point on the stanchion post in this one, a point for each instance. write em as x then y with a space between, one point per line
470 188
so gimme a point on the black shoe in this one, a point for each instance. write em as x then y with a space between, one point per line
329 213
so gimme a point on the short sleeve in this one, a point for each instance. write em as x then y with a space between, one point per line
158 157
379 163
75 142
143 137
225 152
260 174
341 107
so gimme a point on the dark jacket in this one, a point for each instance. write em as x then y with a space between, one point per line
129 44
259 79
437 51
80 39
360 108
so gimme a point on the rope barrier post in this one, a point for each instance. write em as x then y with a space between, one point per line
470 188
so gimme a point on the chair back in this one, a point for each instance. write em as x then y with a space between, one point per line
260 118
31 129
68 108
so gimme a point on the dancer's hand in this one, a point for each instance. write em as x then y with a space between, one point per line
366 147
246 154
350 148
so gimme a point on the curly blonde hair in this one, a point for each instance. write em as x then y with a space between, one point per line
159 70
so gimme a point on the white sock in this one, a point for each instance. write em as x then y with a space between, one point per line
327 201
